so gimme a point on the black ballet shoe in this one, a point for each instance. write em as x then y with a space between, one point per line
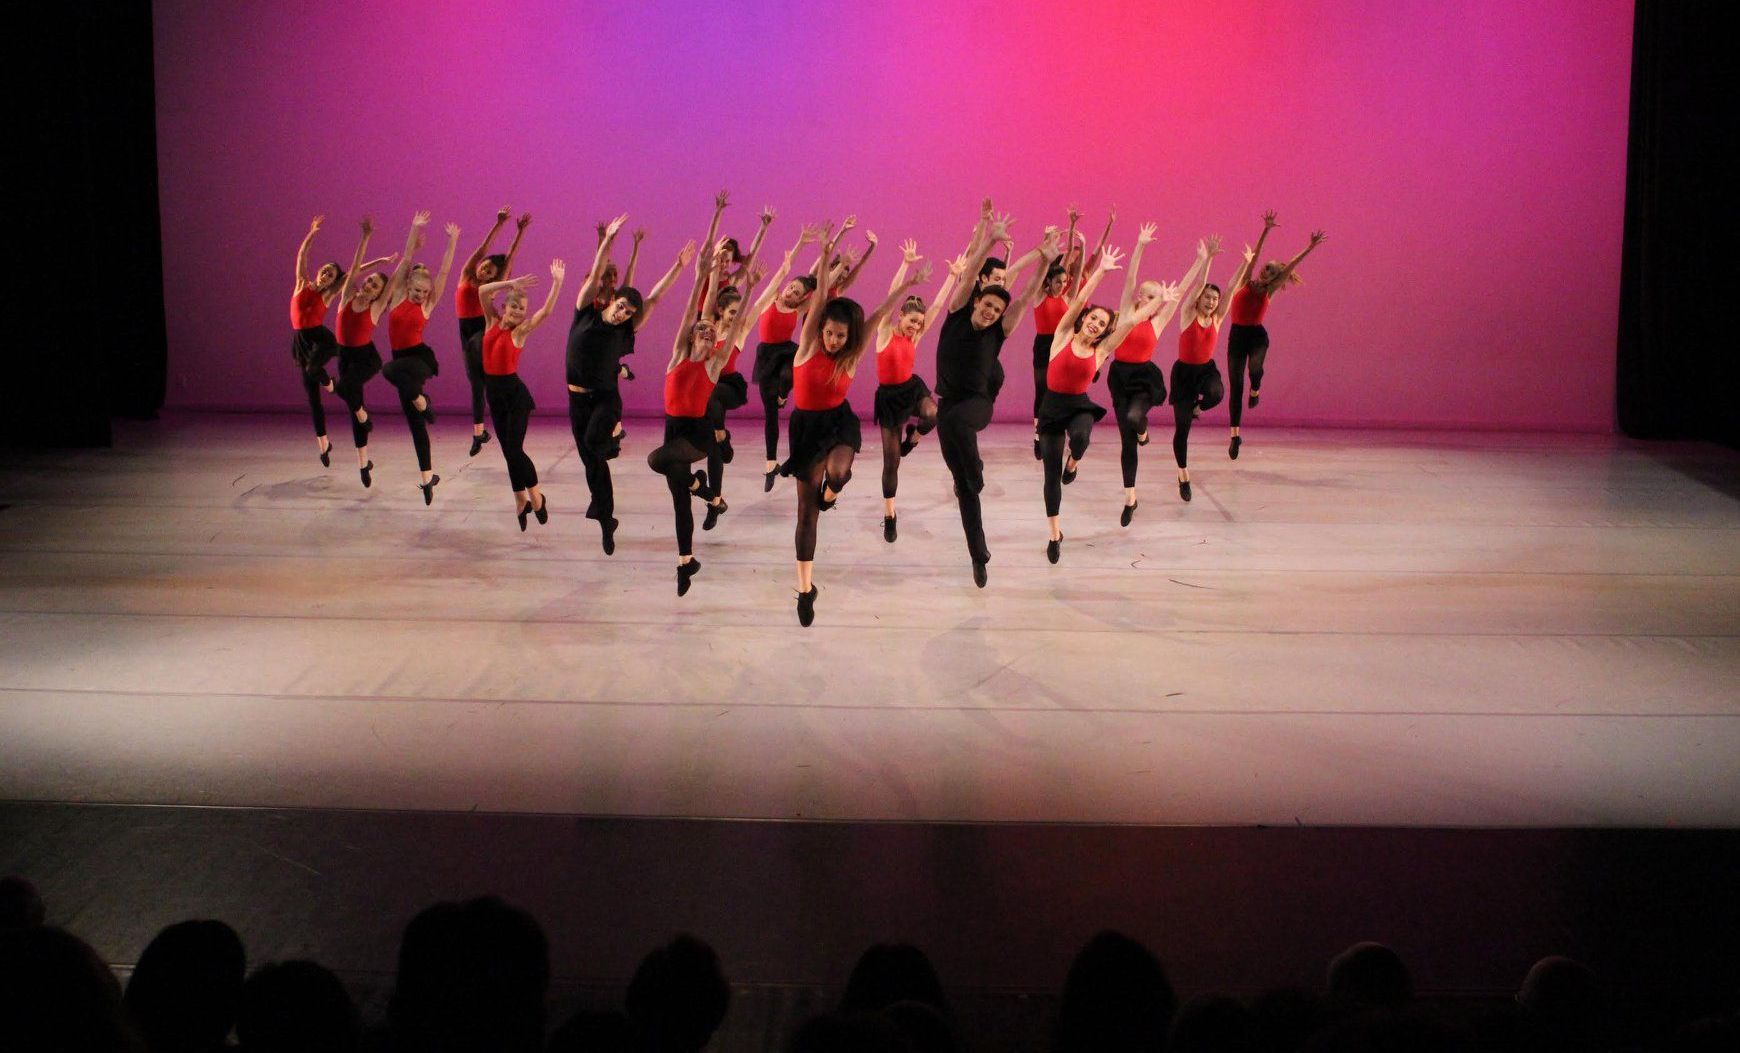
823 503
889 531
685 573
727 453
910 442
1070 473
1184 489
525 510
715 509
609 536
326 457
477 442
368 425
1143 439
699 478
806 607
428 413
367 473
627 373
1036 454
1232 448
1129 513
1054 549
767 481
1196 411
1252 402
542 512
979 574
428 489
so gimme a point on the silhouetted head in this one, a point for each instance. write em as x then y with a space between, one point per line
1115 998
184 992
849 1033
988 306
472 977
21 906
55 993
1370 975
626 304
888 973
1094 323
297 1007
1213 1024
678 997
593 1031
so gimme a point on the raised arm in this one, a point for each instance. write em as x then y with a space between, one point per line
469 271
395 290
302 276
1109 261
957 267
1256 253
684 255
520 226
776 281
908 256
633 256
486 293
1036 280
1111 217
1317 238
1207 249
812 332
1131 279
976 257
767 217
721 201
441 276
1048 251
524 330
356 260
896 296
589 287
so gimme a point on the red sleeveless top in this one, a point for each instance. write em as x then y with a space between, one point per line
814 386
776 326
307 308
1248 306
687 389
1196 343
501 356
894 364
730 363
1070 374
1048 313
405 325
1139 345
355 328
466 302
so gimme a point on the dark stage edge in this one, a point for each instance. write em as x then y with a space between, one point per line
1001 908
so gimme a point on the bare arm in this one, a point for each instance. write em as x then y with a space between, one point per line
633 257
486 293
589 287
1256 252
469 271
956 267
812 332
999 229
524 330
302 276
767 218
1317 238
664 284
1111 217
1048 251
1206 249
720 201
1131 280
897 295
368 230
1066 324
395 290
440 282
520 226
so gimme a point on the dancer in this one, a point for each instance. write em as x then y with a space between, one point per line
358 359
1085 336
1247 342
722 301
901 395
312 344
969 375
510 401
413 361
481 267
1196 383
598 339
1133 379
775 351
1059 280
824 434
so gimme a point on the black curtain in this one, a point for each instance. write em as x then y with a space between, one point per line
87 252
1678 367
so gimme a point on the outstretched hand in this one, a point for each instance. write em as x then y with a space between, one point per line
870 236
767 215
558 270
502 214
524 281
615 225
452 231
721 199
1318 237
848 223
1000 227
1250 254
639 235
811 232
524 221
315 225
1209 246
1146 234
421 219
1111 259
368 226
958 265
1171 293
686 254
909 251
920 278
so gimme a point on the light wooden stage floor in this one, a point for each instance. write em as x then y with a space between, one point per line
1385 628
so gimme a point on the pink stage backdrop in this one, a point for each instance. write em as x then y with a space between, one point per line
1467 157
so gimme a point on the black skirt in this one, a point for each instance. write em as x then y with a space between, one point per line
696 431
1126 380
812 434
507 394
423 353
773 360
898 403
358 364
312 348
470 327
732 391
1243 339
1056 410
1188 380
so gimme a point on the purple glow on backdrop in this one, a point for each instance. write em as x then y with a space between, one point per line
1467 157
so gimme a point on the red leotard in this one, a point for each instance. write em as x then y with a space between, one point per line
814 386
1196 343
501 356
776 326
307 308
405 325
687 389
1248 306
730 363
1068 373
1048 313
355 328
1139 345
894 364
466 302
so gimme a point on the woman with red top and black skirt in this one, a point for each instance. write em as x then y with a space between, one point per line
823 435
510 402
1247 342
413 361
1134 380
1061 278
312 345
358 358
480 268
1085 336
1196 383
902 395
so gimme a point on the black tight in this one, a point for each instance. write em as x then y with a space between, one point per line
511 416
1244 351
471 345
958 424
592 417
891 446
312 385
1132 416
773 389
1051 444
832 472
408 375
1038 387
672 460
1210 392
716 453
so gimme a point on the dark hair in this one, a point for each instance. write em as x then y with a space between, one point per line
736 250
1111 323
386 283
888 973
1372 975
21 906
337 271
472 975
1210 285
296 1006
1115 997
1056 270
632 295
849 313
500 260
68 996
725 298
187 985
993 290
911 304
808 281
678 996
992 263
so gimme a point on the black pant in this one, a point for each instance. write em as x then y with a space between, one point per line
958 424
592 417
774 384
356 367
1131 409
471 348
312 386
831 472
1208 396
1076 434
672 460
927 418
510 409
408 375
1247 346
